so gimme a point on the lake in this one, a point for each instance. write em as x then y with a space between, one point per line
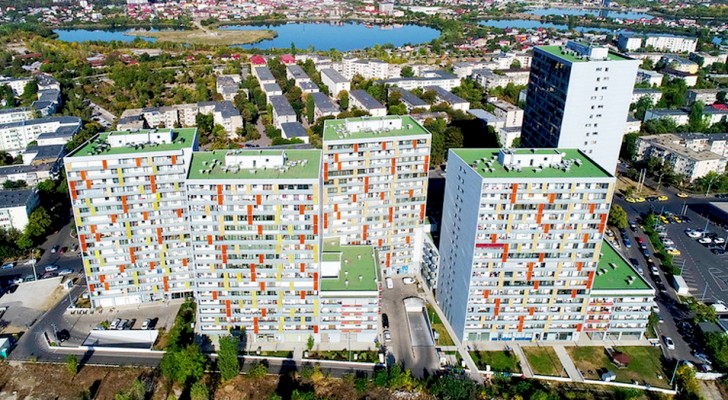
604 12
324 36
343 37
531 24
106 35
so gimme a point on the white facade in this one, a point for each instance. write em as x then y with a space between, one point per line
15 115
673 44
15 208
334 81
489 79
686 157
14 137
509 113
369 69
629 42
651 78
591 102
17 84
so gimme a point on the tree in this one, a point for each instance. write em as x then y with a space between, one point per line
257 371
407 72
453 387
641 106
721 96
205 123
343 97
516 64
227 357
183 366
310 109
199 391
38 223
697 122
72 364
703 312
629 147
717 346
617 216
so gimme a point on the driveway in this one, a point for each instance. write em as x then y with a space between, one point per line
419 356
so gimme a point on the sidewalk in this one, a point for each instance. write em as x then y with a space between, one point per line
525 366
569 366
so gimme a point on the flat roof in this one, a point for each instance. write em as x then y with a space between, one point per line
203 160
182 138
410 127
293 129
323 102
365 99
587 169
334 75
358 267
558 52
612 278
281 105
15 198
445 95
408 97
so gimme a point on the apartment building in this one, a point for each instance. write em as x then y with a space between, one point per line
443 79
714 142
620 302
369 69
323 106
297 73
282 111
671 43
223 112
520 242
653 94
294 130
228 86
254 228
489 79
627 41
334 81
16 206
707 96
375 186
130 208
271 89
264 75
409 99
651 78
679 117
364 101
509 113
684 153
578 97
706 59
444 96
15 136
16 84
20 114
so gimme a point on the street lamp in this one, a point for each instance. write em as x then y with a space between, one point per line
710 183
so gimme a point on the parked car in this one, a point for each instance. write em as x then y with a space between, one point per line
146 324
55 248
669 343
47 275
64 272
662 198
390 283
63 335
682 195
640 240
123 324
719 240
627 243
51 268
673 251
702 357
385 321
717 251
408 281
387 336
115 324
8 266
633 225
705 240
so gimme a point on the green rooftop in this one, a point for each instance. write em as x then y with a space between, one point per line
558 52
99 145
474 158
300 164
358 261
612 278
336 129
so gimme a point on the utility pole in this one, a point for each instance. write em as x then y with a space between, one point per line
677 364
32 263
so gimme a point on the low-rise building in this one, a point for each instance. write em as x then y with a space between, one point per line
671 43
224 113
364 101
297 73
444 96
282 111
367 68
10 115
294 130
509 113
689 79
15 136
706 59
264 75
679 117
16 84
271 89
443 79
16 206
633 125
323 106
685 161
308 87
489 79
628 41
228 86
507 135
651 78
334 81
409 99
653 94
620 302
713 142
707 96
680 64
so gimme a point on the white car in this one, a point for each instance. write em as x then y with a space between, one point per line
387 336
654 271
408 281
693 234
705 240
668 242
669 343
655 307
719 240
64 272
390 283
114 324
51 268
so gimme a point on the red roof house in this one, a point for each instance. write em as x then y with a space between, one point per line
257 60
287 59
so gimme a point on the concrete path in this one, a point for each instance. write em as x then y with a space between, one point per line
474 372
568 364
521 356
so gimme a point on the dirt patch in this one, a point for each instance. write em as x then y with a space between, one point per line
623 183
53 381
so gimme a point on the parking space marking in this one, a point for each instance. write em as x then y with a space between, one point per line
720 277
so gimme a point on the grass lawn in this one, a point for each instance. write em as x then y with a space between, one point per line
499 361
211 37
280 353
645 366
343 355
544 361
437 325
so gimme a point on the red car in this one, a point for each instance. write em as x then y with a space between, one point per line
63 249
640 240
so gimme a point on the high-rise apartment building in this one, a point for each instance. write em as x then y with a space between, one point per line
375 186
129 203
520 242
578 98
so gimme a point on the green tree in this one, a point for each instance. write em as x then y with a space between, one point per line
30 93
183 366
199 391
227 358
38 223
717 347
310 109
310 343
343 97
453 387
257 371
617 216
641 106
72 364
407 72
205 124
516 64
703 312
629 147
697 120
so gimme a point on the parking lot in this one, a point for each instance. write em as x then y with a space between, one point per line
80 324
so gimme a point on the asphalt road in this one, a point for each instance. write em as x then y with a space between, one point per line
697 261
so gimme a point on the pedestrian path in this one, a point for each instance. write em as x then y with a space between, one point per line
521 356
569 366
